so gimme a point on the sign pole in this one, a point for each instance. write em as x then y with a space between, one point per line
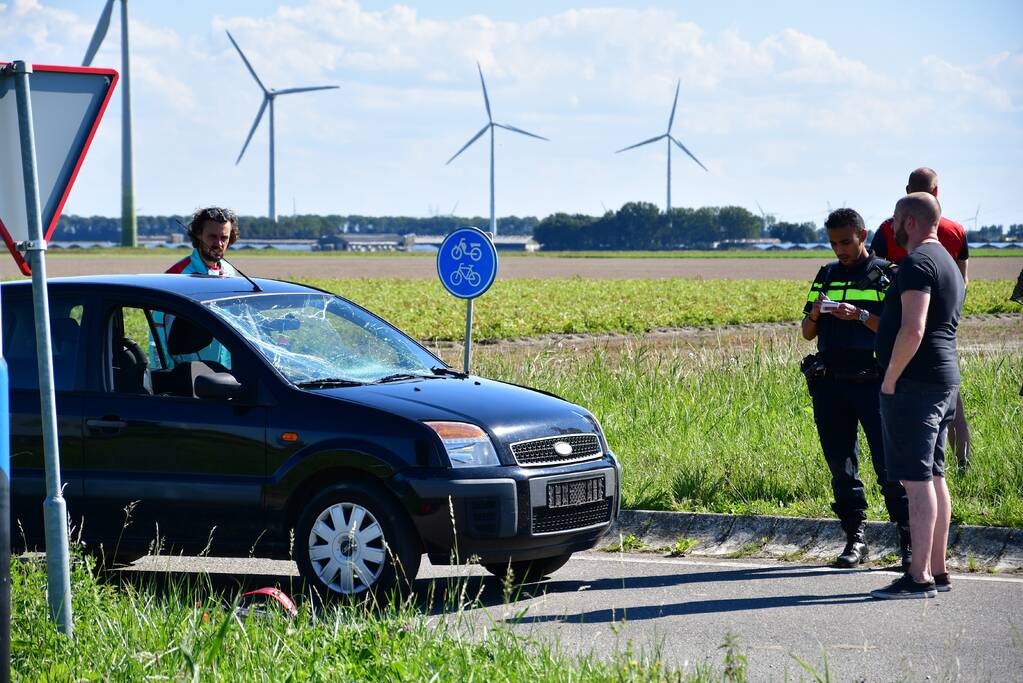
468 336
58 569
5 521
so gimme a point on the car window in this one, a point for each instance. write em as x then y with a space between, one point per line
151 351
19 338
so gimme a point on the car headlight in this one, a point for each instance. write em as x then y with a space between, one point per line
466 444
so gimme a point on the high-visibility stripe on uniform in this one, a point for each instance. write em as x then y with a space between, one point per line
842 294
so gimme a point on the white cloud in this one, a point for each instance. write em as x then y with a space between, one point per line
951 79
591 79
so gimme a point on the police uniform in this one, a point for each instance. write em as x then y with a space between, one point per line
845 385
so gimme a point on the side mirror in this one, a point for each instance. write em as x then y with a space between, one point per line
219 385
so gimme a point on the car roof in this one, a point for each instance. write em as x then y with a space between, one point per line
195 287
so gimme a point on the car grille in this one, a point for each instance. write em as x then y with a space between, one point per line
552 520
538 452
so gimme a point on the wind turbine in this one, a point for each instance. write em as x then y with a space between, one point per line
973 220
491 124
670 139
764 217
129 225
268 99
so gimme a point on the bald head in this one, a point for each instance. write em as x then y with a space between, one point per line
923 179
916 219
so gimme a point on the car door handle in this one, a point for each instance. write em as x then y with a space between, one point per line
106 424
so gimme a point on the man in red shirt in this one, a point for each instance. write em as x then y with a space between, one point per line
952 236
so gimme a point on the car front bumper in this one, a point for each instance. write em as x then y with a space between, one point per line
497 514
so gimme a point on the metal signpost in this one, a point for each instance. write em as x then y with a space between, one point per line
467 266
64 105
5 521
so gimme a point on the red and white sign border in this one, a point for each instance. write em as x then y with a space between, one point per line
48 229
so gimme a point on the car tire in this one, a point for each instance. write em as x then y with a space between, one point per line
529 570
352 541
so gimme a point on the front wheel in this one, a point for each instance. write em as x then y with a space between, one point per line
528 570
352 540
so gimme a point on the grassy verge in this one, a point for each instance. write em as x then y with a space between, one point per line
727 430
518 308
800 254
128 252
141 633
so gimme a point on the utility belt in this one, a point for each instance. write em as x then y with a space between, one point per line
815 367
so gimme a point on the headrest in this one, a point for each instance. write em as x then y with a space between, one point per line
186 337
64 330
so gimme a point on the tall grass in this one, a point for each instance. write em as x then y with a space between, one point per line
191 632
527 307
731 430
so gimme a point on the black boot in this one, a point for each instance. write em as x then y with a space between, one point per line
905 548
855 550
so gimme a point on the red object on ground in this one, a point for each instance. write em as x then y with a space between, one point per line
277 594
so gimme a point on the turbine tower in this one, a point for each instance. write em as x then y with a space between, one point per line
670 139
491 124
268 100
129 225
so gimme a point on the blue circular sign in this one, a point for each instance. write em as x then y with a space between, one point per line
467 262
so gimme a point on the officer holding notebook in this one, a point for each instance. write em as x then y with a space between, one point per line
841 312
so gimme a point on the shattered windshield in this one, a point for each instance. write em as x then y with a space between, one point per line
320 340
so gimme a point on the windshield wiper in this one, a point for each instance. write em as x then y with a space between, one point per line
448 371
325 382
397 377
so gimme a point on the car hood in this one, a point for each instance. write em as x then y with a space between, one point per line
510 413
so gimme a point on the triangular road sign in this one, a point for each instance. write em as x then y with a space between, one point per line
67 105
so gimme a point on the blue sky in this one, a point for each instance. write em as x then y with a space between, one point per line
795 105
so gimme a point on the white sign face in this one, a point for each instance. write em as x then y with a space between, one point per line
67 104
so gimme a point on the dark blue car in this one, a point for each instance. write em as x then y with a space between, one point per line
273 419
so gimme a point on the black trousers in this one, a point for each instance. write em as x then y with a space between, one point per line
837 409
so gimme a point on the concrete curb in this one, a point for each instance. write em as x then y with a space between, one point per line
798 538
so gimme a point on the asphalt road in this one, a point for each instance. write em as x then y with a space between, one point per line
599 603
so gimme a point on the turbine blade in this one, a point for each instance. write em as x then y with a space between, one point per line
640 144
259 116
475 137
486 99
244 59
519 130
100 33
683 148
671 119
291 91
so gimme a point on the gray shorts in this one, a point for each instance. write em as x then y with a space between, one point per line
914 423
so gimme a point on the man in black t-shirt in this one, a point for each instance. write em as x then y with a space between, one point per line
916 349
841 312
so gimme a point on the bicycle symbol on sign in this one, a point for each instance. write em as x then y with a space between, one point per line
472 250
465 272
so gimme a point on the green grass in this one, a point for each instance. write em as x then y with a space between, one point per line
128 252
718 254
527 307
190 632
732 431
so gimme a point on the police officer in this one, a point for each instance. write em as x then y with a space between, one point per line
842 312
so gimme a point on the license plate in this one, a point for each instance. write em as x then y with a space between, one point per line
563 494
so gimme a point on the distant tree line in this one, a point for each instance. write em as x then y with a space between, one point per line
995 233
639 225
105 229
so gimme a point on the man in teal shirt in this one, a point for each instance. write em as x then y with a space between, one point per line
212 231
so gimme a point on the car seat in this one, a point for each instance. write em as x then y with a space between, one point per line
130 368
185 339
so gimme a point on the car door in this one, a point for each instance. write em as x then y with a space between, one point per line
170 469
68 316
